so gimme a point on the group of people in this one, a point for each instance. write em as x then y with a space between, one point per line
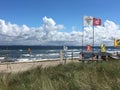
89 55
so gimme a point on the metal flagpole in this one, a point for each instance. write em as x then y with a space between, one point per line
82 35
93 38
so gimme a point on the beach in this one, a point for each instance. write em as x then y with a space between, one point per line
14 67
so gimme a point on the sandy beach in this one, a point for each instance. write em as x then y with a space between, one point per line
23 66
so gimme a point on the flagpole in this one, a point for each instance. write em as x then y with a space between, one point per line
82 34
82 39
96 22
93 39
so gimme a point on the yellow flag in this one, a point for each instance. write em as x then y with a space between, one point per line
103 48
117 42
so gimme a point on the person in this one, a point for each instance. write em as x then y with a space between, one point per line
82 55
94 56
29 51
97 57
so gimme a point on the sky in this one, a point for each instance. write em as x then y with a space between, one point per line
57 22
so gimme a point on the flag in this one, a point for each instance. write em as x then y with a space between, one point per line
96 22
117 42
88 48
87 21
103 48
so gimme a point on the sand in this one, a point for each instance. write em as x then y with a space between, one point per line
23 66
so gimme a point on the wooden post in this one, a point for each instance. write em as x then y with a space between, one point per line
61 56
64 57
72 56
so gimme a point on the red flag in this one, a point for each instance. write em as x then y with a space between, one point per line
96 22
88 48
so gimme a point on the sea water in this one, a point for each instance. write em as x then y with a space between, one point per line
20 53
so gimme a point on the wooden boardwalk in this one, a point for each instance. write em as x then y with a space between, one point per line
92 60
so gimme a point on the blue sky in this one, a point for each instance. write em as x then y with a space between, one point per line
19 17
66 12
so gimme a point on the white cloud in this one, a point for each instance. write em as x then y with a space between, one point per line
49 21
49 34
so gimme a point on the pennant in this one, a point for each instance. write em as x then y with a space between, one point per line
88 48
87 21
103 48
117 42
96 22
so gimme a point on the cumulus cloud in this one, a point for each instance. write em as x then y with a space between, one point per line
49 33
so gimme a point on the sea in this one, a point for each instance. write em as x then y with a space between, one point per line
14 53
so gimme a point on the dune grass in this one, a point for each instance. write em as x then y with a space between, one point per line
72 76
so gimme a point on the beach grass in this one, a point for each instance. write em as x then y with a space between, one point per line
71 76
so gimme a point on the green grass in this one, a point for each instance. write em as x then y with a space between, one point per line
72 76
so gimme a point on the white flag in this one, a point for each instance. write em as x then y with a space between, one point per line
87 21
